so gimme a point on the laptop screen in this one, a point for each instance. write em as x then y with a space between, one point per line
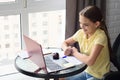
35 52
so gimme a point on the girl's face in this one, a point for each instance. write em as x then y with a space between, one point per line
88 26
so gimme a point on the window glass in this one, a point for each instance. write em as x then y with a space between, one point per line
47 28
10 41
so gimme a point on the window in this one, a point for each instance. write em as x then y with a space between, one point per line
46 25
38 19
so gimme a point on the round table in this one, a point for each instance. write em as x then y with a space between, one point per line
27 67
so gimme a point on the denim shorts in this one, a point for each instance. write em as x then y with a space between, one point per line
82 76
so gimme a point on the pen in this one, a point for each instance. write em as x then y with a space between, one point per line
48 53
64 56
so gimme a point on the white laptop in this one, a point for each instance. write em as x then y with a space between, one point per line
44 62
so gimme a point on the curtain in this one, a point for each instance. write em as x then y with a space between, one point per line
73 7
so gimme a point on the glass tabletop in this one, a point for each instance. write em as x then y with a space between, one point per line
27 67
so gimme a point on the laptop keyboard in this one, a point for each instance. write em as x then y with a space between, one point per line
52 65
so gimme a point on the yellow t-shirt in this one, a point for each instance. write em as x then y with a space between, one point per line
102 63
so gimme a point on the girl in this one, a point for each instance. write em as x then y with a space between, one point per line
93 41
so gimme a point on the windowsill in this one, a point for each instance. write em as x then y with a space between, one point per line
7 69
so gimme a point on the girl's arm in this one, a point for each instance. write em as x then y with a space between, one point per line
67 46
88 59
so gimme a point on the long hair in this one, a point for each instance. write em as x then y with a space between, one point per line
93 13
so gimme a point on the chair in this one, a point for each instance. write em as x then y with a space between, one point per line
115 59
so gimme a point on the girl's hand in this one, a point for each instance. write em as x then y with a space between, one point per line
74 50
68 51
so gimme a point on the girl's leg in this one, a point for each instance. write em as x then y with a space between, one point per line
90 77
81 76
93 78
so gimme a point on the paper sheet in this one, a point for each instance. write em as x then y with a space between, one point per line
70 59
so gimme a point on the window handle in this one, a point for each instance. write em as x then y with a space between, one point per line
25 3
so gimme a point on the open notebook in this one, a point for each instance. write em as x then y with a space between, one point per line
45 62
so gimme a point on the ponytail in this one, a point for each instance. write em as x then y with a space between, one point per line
104 28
